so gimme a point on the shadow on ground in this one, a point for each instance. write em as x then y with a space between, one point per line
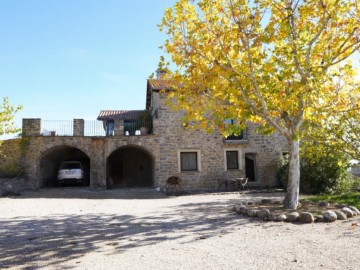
128 193
89 193
48 241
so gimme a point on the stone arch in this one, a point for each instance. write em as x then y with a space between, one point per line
49 162
130 166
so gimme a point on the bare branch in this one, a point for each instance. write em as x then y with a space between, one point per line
315 38
293 43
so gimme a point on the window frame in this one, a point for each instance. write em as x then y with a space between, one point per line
239 159
198 160
242 137
227 160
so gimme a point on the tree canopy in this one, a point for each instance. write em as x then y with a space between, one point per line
285 65
7 114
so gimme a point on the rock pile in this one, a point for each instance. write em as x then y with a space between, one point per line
264 211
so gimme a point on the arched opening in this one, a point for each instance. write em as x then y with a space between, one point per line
130 166
52 160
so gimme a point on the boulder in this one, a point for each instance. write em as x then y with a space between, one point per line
348 212
272 217
324 204
330 216
252 212
306 217
266 201
281 217
263 214
340 215
340 205
237 208
307 202
355 210
243 210
319 218
294 216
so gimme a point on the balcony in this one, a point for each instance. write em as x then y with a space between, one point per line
241 138
138 127
87 128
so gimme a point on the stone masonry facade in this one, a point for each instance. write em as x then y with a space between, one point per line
164 146
211 149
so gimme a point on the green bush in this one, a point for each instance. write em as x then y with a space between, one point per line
10 171
321 175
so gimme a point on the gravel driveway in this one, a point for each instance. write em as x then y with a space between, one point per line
77 228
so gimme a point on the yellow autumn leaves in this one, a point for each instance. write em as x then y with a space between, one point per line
262 60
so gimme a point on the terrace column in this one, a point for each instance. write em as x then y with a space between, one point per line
31 127
78 127
156 124
119 127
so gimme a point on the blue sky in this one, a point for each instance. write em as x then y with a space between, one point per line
72 58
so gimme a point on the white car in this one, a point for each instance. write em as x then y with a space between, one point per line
70 172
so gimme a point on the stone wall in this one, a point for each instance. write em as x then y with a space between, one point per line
11 167
164 146
211 149
11 152
97 149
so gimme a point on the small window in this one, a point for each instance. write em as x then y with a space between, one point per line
233 137
189 161
232 161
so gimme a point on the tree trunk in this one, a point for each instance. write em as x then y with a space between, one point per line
292 192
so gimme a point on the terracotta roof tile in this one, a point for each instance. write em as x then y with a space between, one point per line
158 84
119 114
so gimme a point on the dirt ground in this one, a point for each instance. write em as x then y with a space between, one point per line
78 228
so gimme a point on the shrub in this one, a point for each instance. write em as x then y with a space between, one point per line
325 174
10 171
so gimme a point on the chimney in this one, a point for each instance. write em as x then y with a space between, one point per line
160 73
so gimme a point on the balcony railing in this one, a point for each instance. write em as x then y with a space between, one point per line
57 127
92 127
236 138
138 127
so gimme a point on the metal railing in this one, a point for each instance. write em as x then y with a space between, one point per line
94 128
240 137
138 127
57 127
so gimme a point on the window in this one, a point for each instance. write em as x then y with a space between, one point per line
232 161
233 137
189 161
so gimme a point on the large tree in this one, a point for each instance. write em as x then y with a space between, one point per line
7 114
284 64
341 134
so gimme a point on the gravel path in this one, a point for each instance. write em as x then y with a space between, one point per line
74 228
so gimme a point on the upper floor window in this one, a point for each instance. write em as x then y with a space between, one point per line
233 137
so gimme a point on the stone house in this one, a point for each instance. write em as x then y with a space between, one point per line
130 156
